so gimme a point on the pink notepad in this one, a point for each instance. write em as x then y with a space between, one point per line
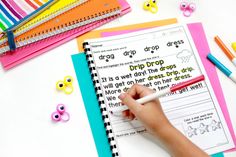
199 38
28 52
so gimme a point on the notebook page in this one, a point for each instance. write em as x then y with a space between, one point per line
159 58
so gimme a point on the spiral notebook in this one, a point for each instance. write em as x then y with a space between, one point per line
156 58
14 13
22 55
59 7
78 16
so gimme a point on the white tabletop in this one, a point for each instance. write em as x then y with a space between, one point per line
28 95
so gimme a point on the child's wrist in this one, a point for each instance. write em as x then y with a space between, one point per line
163 129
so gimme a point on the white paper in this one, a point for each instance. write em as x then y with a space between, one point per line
159 58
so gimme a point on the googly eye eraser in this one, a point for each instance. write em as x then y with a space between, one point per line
154 9
192 7
61 108
68 80
153 2
69 89
60 85
146 5
183 6
56 117
187 13
65 117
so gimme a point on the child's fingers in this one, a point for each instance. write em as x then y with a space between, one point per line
130 102
139 90
125 113
128 114
131 116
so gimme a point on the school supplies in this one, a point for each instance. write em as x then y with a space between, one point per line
199 37
66 85
163 92
93 110
58 7
14 13
148 58
187 9
225 49
88 93
62 23
200 40
234 46
150 5
21 55
60 114
222 68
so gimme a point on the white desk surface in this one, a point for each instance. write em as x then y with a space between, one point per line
28 95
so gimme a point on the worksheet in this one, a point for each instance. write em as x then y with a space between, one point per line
159 58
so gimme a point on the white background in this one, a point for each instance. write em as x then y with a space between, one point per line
28 95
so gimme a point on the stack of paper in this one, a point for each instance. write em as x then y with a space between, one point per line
62 21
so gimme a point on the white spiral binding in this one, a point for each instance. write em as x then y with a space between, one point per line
26 28
59 31
101 101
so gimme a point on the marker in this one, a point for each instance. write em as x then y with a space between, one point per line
222 68
162 93
226 50
234 46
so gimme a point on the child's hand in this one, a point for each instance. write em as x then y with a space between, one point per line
154 119
150 114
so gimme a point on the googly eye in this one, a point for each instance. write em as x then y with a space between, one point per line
61 108
192 7
153 2
60 85
146 6
183 5
56 116
68 80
